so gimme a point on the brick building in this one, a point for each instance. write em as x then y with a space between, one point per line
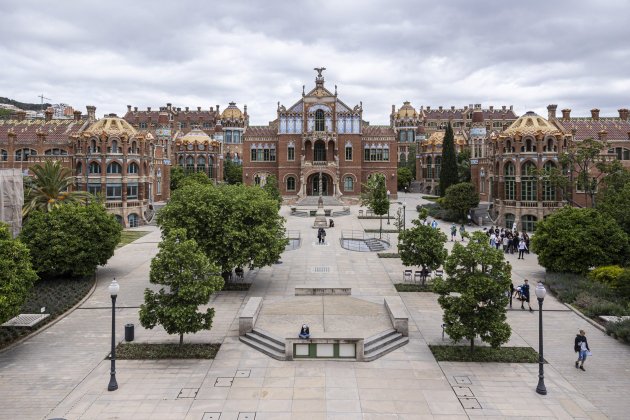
319 137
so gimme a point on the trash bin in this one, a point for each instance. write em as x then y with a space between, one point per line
128 332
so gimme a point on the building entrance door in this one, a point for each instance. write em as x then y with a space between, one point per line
314 184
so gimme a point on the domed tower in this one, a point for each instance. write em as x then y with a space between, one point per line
527 148
405 123
198 152
233 123
121 164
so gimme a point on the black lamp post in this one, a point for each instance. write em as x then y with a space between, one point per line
114 287
540 294
404 215
388 205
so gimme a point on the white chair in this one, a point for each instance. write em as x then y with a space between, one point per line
407 275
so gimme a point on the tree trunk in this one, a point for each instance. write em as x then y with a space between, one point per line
424 277
181 339
472 345
380 233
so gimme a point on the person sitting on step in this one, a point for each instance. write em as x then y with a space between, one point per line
305 332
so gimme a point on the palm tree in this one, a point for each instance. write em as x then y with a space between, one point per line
49 188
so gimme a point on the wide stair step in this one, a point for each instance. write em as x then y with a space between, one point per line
382 343
374 244
265 343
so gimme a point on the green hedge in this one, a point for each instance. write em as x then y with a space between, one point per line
619 330
149 351
484 354
405 287
388 255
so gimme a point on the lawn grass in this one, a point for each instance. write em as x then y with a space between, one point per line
128 236
406 287
484 354
153 351
56 296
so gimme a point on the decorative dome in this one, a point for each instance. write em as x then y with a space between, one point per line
196 135
113 126
232 112
406 111
530 124
437 138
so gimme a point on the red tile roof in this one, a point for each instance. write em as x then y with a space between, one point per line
260 131
377 130
616 129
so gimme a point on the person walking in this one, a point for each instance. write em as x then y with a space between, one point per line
525 296
323 235
581 348
522 247
453 232
462 231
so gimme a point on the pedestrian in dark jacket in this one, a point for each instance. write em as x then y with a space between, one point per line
525 296
581 348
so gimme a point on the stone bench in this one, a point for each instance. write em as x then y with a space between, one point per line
323 291
25 320
397 314
249 315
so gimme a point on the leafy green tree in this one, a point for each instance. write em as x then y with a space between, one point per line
575 240
404 178
189 278
375 197
422 246
271 187
232 172
49 188
473 295
234 225
16 274
463 166
589 164
195 178
461 198
177 176
615 203
449 174
71 240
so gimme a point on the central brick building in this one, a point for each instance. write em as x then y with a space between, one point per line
319 137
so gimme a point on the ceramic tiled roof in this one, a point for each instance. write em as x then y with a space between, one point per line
261 131
616 129
377 130
56 131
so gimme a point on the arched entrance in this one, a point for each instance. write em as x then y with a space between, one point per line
312 185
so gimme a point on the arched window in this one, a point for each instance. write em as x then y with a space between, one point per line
508 147
509 220
114 168
55 152
509 174
319 151
133 220
114 147
79 168
134 148
438 167
23 154
528 182
4 155
291 152
257 180
201 164
348 151
549 190
93 147
133 168
528 223
190 162
181 161
291 183
320 122
95 168
348 183
429 170
528 145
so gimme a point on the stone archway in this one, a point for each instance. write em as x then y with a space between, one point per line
312 185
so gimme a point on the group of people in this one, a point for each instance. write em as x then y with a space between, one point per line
462 232
510 240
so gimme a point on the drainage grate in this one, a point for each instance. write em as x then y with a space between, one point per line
463 380
242 374
463 391
211 416
246 416
25 320
223 382
321 269
470 403
188 393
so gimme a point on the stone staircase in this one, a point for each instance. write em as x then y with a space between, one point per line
415 187
382 343
312 200
300 213
266 343
341 212
374 245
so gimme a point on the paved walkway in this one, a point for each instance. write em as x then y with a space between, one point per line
61 372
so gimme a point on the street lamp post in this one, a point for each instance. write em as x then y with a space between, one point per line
114 287
404 215
540 294
388 204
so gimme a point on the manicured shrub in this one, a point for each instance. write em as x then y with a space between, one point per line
607 274
621 330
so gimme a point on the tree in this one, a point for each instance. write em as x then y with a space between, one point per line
191 279
423 246
16 274
234 225
49 188
177 176
404 178
463 166
271 188
575 240
614 198
461 198
587 160
71 240
473 295
448 174
375 197
232 172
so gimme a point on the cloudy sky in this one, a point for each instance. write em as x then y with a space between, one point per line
201 53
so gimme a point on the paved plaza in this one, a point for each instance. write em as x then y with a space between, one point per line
62 372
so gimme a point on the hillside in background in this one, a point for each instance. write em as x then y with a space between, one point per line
23 105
